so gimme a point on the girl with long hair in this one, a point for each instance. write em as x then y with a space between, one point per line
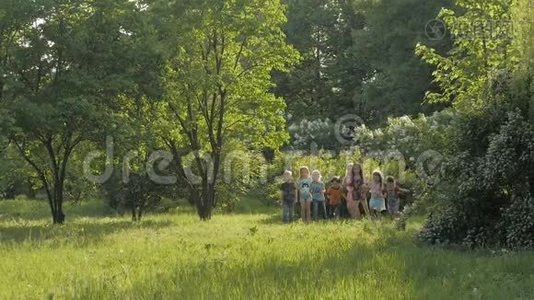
354 186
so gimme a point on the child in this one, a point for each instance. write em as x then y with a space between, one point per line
317 189
392 192
376 188
353 184
305 196
334 197
289 196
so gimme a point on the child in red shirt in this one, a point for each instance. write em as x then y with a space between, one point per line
334 193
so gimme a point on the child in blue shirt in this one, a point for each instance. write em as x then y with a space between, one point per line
305 196
317 189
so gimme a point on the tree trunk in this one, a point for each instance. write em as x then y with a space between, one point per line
204 204
58 215
134 213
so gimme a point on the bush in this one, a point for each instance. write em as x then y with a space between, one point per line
305 133
139 194
490 203
410 136
517 224
445 227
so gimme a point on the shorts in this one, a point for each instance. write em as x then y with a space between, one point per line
378 204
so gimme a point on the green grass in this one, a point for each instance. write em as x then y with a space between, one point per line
242 256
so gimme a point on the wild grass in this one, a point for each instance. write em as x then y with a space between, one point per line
241 256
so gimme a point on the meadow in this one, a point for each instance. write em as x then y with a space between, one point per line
97 255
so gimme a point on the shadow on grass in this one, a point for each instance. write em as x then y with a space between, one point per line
80 232
275 218
38 209
393 267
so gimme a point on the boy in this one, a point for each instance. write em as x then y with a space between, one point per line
334 193
392 191
289 196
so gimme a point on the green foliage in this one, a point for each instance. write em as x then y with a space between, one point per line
323 84
396 80
113 193
138 193
242 173
410 136
250 48
356 57
486 182
217 86
490 151
522 13
141 193
482 34
16 178
308 133
517 224
65 63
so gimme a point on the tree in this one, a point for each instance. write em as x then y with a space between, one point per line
523 25
68 63
323 84
486 189
358 56
217 87
482 49
396 79
14 16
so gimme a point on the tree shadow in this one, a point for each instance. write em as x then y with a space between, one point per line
273 218
80 232
392 267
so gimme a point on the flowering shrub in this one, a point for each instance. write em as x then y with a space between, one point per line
410 136
306 132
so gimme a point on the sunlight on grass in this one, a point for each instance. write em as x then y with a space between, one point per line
244 256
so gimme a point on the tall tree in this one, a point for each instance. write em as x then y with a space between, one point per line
523 26
218 83
69 61
358 56
14 16
397 80
324 82
482 48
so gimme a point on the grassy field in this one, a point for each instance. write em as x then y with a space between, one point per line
243 256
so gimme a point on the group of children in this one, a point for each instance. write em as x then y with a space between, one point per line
313 195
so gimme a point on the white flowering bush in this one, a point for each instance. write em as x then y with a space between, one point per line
409 136
306 132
